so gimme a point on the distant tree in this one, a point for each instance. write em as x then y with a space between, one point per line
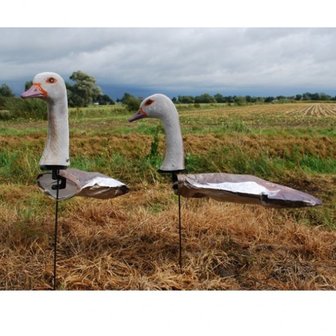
240 100
205 98
298 97
315 96
324 96
269 99
125 97
84 91
174 100
259 99
5 91
186 99
131 101
104 99
229 99
219 98
306 96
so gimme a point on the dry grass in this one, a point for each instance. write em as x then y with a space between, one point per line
126 243
131 242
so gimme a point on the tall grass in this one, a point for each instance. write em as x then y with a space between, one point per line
16 108
18 166
131 242
97 112
264 164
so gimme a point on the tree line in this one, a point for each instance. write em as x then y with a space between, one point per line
83 90
240 100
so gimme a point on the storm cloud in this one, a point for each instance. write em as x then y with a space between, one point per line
177 59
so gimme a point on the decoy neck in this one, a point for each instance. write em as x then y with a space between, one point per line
50 87
161 107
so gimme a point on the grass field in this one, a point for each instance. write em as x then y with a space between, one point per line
131 242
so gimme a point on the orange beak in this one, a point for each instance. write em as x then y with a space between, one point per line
35 91
138 115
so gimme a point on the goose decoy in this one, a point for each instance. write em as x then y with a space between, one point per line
59 181
50 87
224 187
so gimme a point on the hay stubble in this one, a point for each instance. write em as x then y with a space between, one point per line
131 242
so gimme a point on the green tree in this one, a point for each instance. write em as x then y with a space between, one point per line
324 96
5 91
219 98
205 98
84 91
186 99
269 99
130 101
229 99
240 100
104 99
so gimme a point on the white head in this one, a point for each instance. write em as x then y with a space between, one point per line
50 86
155 106
161 107
46 85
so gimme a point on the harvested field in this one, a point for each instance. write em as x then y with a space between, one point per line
131 242
317 109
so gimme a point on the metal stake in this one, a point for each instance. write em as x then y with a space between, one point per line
180 231
56 229
60 184
175 186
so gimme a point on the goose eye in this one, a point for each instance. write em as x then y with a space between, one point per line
51 80
148 102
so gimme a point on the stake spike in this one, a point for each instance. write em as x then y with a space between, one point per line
60 184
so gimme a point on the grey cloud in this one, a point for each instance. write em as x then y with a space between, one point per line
173 57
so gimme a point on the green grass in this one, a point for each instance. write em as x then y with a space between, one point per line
18 165
261 140
131 242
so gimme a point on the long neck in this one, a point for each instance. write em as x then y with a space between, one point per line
174 157
56 151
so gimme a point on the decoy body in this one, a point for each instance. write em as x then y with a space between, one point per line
82 183
50 87
220 186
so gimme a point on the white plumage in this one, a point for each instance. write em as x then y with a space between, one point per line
50 87
220 186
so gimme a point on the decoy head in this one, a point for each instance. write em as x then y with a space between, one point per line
161 107
47 86
154 106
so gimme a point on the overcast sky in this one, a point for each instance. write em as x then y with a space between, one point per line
260 61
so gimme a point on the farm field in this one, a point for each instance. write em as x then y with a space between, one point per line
131 242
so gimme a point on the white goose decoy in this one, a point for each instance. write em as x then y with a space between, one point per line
50 87
70 182
220 186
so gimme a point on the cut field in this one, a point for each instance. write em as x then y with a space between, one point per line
131 242
316 109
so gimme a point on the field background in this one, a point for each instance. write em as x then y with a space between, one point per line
131 242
